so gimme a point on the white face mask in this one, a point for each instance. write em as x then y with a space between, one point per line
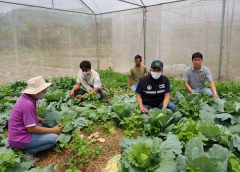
156 75
87 74
40 95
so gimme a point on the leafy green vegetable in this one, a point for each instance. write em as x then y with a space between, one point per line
7 158
202 163
122 109
146 154
186 129
209 130
158 120
54 95
68 127
194 149
50 119
64 138
234 164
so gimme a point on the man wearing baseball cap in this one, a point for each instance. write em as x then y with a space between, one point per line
153 90
24 131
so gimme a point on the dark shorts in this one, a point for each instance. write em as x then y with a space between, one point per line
80 91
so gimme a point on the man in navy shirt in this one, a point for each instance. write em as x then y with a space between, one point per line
153 90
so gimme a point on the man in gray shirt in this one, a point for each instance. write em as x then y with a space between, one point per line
196 75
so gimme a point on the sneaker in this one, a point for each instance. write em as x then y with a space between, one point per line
29 157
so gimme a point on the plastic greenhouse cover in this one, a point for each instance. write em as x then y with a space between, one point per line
90 6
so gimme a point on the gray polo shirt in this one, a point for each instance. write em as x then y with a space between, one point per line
197 79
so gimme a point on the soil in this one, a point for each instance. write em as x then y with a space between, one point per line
110 148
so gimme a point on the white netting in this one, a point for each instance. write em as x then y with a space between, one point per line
37 41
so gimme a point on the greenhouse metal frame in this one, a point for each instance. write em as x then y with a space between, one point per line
131 5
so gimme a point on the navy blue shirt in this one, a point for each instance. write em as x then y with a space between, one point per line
152 90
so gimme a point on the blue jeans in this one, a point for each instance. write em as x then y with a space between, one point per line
133 87
40 142
205 91
170 105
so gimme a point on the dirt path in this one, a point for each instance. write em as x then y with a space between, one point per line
60 160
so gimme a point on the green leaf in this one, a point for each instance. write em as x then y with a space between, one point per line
68 127
140 154
160 117
234 165
220 155
167 163
236 141
207 113
8 159
208 129
219 105
27 164
204 163
235 129
237 107
179 97
229 107
122 109
45 169
81 122
194 149
50 119
172 144
177 116
54 95
64 138
225 117
181 163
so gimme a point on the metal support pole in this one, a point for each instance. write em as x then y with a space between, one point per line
144 32
52 3
97 43
221 41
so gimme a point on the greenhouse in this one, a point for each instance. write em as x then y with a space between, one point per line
111 126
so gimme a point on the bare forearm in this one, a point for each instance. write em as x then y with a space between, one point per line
188 87
39 130
166 100
129 81
214 90
213 87
139 101
76 87
96 90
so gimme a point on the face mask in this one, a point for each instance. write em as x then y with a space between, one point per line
40 95
156 75
87 74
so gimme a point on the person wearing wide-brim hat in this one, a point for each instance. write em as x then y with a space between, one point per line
153 90
24 131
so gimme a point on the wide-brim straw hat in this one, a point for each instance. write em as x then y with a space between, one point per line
36 85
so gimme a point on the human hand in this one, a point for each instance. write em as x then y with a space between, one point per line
143 110
57 129
79 97
215 95
40 119
164 108
194 92
128 88
71 94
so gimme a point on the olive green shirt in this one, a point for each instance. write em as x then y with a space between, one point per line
137 72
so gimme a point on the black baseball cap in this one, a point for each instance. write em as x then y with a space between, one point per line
157 63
